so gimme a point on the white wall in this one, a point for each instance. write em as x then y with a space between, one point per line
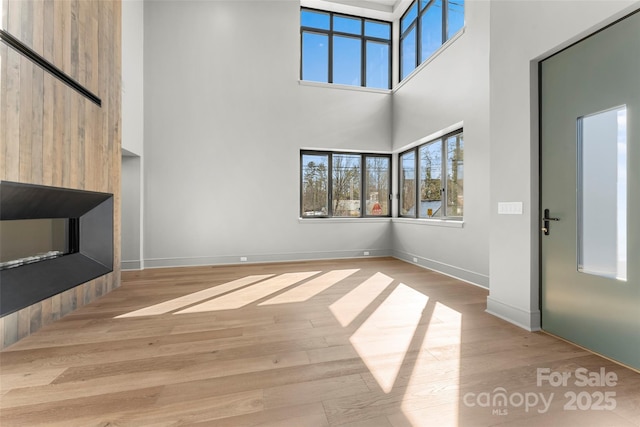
225 119
132 76
222 101
452 87
523 32
132 133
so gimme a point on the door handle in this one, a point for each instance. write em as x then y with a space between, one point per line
545 222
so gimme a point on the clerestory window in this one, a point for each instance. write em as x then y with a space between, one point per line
344 49
424 27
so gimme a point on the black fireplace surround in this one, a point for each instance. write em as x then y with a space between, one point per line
28 284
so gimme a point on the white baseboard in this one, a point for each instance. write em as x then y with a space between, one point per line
131 265
529 320
471 277
263 258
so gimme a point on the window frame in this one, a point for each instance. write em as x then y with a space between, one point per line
422 7
363 180
444 173
363 38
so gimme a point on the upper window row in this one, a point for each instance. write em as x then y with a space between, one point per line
349 50
346 50
424 27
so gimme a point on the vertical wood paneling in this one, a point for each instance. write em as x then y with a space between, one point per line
48 106
5 13
47 311
50 134
10 329
35 316
74 39
56 307
4 51
24 322
37 113
65 23
26 108
37 95
27 23
14 16
67 133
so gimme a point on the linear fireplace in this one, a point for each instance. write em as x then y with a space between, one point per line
51 239
25 241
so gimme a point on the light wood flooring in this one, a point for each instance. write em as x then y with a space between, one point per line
364 342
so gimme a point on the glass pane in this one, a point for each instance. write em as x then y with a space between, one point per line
377 185
24 241
408 53
602 194
315 185
408 19
431 30
455 17
315 57
377 65
312 19
347 60
431 180
379 30
408 184
344 24
455 176
346 185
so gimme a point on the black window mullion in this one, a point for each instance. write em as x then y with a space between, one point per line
445 20
445 184
363 63
418 46
363 184
330 61
416 156
330 184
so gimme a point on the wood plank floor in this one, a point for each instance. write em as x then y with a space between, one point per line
366 342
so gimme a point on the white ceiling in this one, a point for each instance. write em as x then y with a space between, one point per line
381 9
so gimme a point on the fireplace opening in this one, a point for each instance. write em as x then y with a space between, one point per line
51 240
25 241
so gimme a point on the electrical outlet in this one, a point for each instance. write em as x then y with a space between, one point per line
243 259
415 259
366 253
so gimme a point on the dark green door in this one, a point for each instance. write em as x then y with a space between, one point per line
590 192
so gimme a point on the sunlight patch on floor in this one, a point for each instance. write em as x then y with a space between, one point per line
177 303
384 338
311 288
347 308
250 294
430 379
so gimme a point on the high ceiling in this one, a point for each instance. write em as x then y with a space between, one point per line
381 9
381 5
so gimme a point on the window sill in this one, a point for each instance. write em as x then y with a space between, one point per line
342 220
343 87
450 223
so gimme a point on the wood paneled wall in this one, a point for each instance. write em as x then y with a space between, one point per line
52 135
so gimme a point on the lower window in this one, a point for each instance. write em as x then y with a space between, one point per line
432 179
347 185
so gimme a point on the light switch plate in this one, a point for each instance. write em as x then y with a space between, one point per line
510 208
